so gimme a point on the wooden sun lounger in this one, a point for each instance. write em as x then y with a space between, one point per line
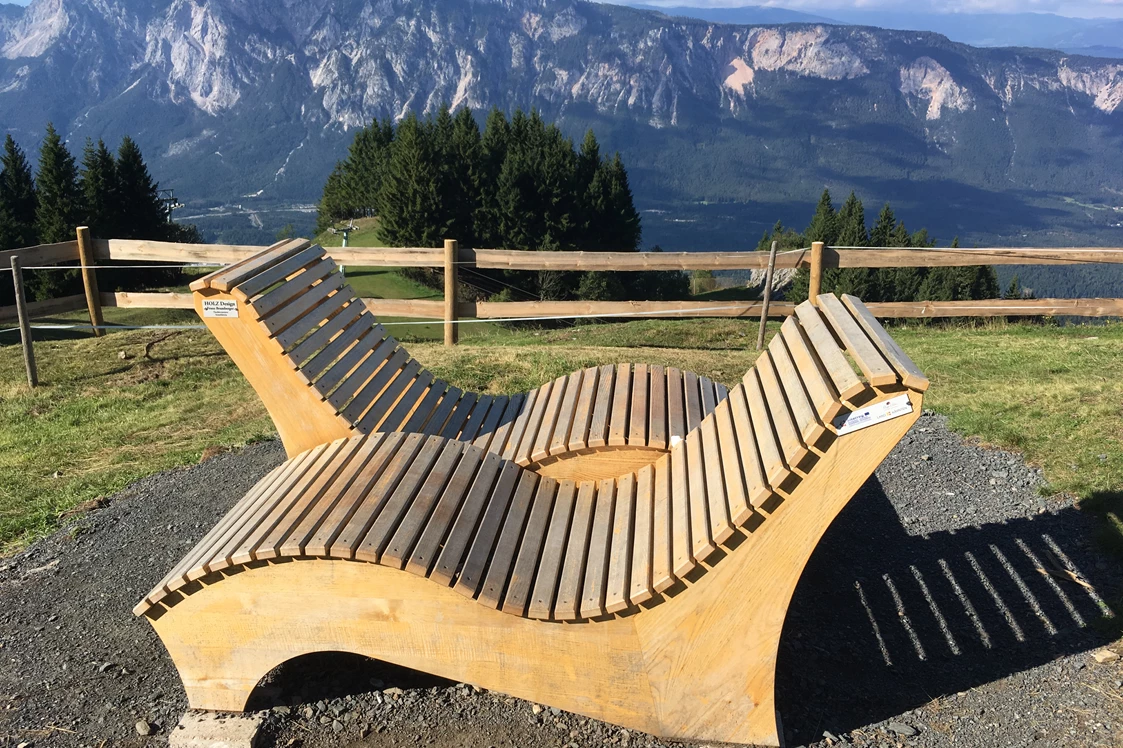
653 598
325 369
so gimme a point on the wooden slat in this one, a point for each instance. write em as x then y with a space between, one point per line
620 545
534 423
276 273
227 278
294 289
553 550
540 449
681 551
386 446
875 368
638 412
676 407
819 388
471 573
657 403
326 313
517 428
360 355
360 388
437 527
806 421
568 604
756 482
662 561
310 299
502 561
910 373
42 254
334 349
459 414
396 552
559 440
424 410
693 395
787 434
476 418
347 542
345 320
596 566
48 308
395 507
771 457
530 549
143 300
720 527
495 476
620 418
410 400
583 411
441 413
709 395
737 502
846 382
602 405
498 439
487 429
640 588
701 542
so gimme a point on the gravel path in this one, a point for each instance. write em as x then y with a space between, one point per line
922 620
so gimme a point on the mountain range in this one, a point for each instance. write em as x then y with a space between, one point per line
243 107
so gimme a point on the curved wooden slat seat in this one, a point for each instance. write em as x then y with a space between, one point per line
653 599
325 369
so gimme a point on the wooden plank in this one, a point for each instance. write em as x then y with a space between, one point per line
531 550
448 506
820 390
500 568
583 411
910 373
351 496
693 394
662 561
498 440
498 407
657 400
413 523
367 356
676 407
559 440
334 349
640 588
459 414
441 413
568 604
345 318
517 427
806 421
410 400
361 387
875 368
681 551
540 449
648 309
424 410
242 270
620 544
998 308
771 457
702 544
411 308
394 507
596 566
721 528
638 412
48 308
495 477
709 395
787 434
513 259
325 313
42 254
550 567
278 272
618 426
476 417
846 382
533 423
756 482
602 405
737 501
471 573
151 300
300 285
925 257
313 297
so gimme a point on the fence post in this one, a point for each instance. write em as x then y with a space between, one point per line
451 256
816 284
24 325
767 295
89 279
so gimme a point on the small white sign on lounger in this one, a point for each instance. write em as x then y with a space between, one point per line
887 409
221 308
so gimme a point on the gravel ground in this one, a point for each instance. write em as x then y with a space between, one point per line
923 619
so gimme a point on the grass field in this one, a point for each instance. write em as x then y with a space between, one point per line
101 421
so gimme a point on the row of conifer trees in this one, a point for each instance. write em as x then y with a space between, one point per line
520 183
113 194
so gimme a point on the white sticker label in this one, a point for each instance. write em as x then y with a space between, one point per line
222 308
883 411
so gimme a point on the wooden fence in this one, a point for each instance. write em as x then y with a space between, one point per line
90 251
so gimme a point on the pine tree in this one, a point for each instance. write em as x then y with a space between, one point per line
143 214
824 224
861 282
493 152
1014 290
17 199
409 199
882 233
98 182
333 202
56 183
464 156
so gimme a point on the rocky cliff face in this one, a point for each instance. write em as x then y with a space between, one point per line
271 87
